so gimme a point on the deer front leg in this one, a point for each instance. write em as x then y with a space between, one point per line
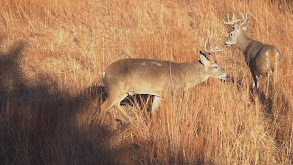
156 103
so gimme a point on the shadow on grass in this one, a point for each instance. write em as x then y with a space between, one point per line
100 92
38 127
41 127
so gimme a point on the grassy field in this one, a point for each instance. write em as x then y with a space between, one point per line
52 55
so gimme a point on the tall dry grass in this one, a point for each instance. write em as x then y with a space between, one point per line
53 53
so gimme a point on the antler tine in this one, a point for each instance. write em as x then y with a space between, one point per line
228 22
241 14
205 45
233 19
240 19
215 49
243 18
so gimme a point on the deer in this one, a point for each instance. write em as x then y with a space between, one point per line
262 59
157 77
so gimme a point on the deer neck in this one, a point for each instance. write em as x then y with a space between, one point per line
194 74
243 41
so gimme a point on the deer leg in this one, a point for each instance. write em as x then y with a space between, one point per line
275 79
110 101
275 75
269 73
255 84
104 108
118 106
156 103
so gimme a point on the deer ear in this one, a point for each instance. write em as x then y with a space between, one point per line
204 59
244 26
236 26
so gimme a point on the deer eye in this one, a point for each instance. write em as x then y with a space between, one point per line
231 34
216 67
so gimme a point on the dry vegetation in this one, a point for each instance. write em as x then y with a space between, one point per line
52 54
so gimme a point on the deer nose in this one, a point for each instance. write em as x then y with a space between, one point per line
224 76
227 43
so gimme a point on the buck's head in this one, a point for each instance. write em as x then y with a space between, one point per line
212 69
237 30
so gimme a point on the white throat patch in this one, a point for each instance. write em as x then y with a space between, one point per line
206 77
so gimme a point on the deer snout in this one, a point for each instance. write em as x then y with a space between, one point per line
224 76
228 43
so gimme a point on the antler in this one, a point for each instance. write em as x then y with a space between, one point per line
231 22
215 49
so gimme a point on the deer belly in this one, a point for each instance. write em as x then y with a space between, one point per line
147 87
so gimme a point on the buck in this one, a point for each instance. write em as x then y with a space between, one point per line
156 77
262 59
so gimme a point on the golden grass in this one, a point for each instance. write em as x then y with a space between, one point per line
52 55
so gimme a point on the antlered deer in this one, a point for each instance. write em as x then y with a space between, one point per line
156 77
262 59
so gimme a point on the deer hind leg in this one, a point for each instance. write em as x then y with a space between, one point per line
121 109
269 75
104 109
116 103
275 74
115 100
255 84
275 80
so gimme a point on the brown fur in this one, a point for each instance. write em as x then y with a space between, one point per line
262 59
155 77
